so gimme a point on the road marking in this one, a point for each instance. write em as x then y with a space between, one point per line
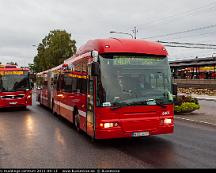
201 122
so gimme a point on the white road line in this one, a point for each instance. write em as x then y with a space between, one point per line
201 122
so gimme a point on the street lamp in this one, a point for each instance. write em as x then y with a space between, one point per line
214 58
116 32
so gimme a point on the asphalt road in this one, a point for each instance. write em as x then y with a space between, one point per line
207 107
37 139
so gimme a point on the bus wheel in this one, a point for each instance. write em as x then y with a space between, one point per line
24 108
77 121
53 107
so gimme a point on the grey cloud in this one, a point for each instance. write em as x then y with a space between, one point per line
26 22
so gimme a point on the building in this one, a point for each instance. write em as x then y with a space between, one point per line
197 68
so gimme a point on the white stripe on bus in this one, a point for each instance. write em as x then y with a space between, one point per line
64 105
45 98
83 114
71 108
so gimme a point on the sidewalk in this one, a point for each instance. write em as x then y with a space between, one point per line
205 115
204 97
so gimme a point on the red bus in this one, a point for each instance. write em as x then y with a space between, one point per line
15 87
113 88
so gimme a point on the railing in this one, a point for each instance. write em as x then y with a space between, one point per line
196 83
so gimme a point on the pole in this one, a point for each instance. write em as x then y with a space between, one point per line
135 30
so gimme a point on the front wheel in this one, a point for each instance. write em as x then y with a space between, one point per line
24 108
53 111
77 121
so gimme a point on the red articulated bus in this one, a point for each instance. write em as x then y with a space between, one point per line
15 87
113 88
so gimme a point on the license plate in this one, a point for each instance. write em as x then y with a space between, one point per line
12 103
137 134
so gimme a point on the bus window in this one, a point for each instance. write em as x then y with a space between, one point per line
67 83
83 86
74 84
59 83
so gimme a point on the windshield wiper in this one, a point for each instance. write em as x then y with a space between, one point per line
117 105
142 102
160 102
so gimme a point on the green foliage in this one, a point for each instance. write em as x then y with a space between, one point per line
186 104
186 107
53 50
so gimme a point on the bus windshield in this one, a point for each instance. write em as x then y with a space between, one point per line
14 81
133 79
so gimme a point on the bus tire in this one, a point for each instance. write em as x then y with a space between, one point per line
77 120
24 108
53 112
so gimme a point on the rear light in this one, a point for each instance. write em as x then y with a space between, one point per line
108 125
167 121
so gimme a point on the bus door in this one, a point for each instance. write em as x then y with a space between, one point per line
58 95
49 89
90 107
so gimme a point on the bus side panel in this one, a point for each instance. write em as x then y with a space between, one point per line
65 109
79 100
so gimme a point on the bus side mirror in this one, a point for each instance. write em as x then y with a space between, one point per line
174 89
94 55
95 69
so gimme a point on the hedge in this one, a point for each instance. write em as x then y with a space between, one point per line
185 104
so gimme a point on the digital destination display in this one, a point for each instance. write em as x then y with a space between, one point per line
4 73
136 60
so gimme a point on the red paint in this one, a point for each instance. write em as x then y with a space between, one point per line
7 98
131 118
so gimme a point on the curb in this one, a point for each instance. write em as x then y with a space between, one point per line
194 121
207 99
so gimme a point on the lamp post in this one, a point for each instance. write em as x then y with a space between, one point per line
117 32
214 58
135 30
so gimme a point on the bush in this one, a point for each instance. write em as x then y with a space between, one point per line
183 98
185 104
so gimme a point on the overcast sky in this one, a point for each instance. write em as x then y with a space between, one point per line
24 23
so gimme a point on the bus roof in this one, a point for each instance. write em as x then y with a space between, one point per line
114 45
52 69
14 69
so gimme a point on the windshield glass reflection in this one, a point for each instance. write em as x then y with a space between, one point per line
14 82
133 80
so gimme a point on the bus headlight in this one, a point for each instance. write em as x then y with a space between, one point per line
108 125
29 96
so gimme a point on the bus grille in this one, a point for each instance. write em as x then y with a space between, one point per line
12 96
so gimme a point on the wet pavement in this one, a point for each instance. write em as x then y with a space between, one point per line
37 139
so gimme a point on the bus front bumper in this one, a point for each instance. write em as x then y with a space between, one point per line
119 133
13 103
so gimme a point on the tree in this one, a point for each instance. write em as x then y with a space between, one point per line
53 50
